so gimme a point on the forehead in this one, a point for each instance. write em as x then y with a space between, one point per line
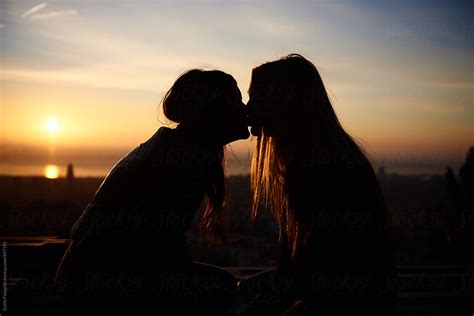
256 87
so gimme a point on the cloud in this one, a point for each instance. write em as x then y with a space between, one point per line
33 13
53 14
33 10
1 26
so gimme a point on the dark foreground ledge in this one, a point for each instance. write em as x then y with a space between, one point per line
32 261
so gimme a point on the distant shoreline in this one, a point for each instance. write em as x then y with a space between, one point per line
387 174
235 166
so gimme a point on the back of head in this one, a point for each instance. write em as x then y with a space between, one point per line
197 96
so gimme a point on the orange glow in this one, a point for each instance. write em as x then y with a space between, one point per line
52 125
51 172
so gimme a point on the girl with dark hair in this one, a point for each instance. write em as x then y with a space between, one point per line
129 251
324 196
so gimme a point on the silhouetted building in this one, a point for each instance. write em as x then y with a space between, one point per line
70 172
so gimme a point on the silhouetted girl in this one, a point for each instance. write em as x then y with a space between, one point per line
324 196
129 251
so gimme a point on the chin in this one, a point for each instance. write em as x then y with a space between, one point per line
244 134
255 130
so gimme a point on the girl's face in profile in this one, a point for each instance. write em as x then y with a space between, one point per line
262 111
233 122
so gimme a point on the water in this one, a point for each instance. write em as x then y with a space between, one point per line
53 171
233 167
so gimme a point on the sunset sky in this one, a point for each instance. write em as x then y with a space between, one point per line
86 77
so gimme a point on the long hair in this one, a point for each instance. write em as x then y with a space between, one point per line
196 99
290 101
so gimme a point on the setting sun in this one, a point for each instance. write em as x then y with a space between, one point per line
52 125
51 172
